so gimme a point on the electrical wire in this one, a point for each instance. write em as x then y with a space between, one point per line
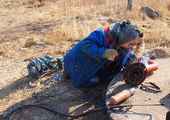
50 109
22 72
37 67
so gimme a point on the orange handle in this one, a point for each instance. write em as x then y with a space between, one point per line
120 97
152 66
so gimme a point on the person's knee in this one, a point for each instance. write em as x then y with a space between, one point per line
91 82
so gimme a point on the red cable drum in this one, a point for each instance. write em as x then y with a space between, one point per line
152 66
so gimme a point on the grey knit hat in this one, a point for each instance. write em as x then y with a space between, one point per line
124 31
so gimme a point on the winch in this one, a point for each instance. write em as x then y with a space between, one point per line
136 72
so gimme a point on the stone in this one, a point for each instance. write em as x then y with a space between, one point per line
151 13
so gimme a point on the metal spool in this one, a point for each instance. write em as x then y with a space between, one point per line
135 74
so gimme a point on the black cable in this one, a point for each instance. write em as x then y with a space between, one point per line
35 105
111 107
22 72
67 115
53 111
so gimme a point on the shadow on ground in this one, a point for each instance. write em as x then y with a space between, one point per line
115 86
61 96
166 101
13 87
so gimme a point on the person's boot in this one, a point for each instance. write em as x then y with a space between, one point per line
65 74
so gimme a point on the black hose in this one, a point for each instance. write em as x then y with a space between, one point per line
54 111
73 117
35 105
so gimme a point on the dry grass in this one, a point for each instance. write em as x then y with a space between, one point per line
78 18
89 11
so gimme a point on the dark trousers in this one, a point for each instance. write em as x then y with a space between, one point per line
104 74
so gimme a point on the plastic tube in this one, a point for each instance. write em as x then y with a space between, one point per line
152 66
125 94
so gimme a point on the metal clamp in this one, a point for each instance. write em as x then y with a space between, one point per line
150 86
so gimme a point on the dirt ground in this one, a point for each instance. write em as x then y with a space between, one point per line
31 29
143 96
61 95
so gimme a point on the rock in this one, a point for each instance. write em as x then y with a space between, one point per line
158 53
33 42
30 42
151 12
70 40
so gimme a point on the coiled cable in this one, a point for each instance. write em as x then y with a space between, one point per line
36 68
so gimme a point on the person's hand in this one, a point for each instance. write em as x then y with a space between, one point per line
110 54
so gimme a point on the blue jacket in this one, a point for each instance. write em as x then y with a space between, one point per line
85 58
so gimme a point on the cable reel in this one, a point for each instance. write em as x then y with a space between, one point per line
135 73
